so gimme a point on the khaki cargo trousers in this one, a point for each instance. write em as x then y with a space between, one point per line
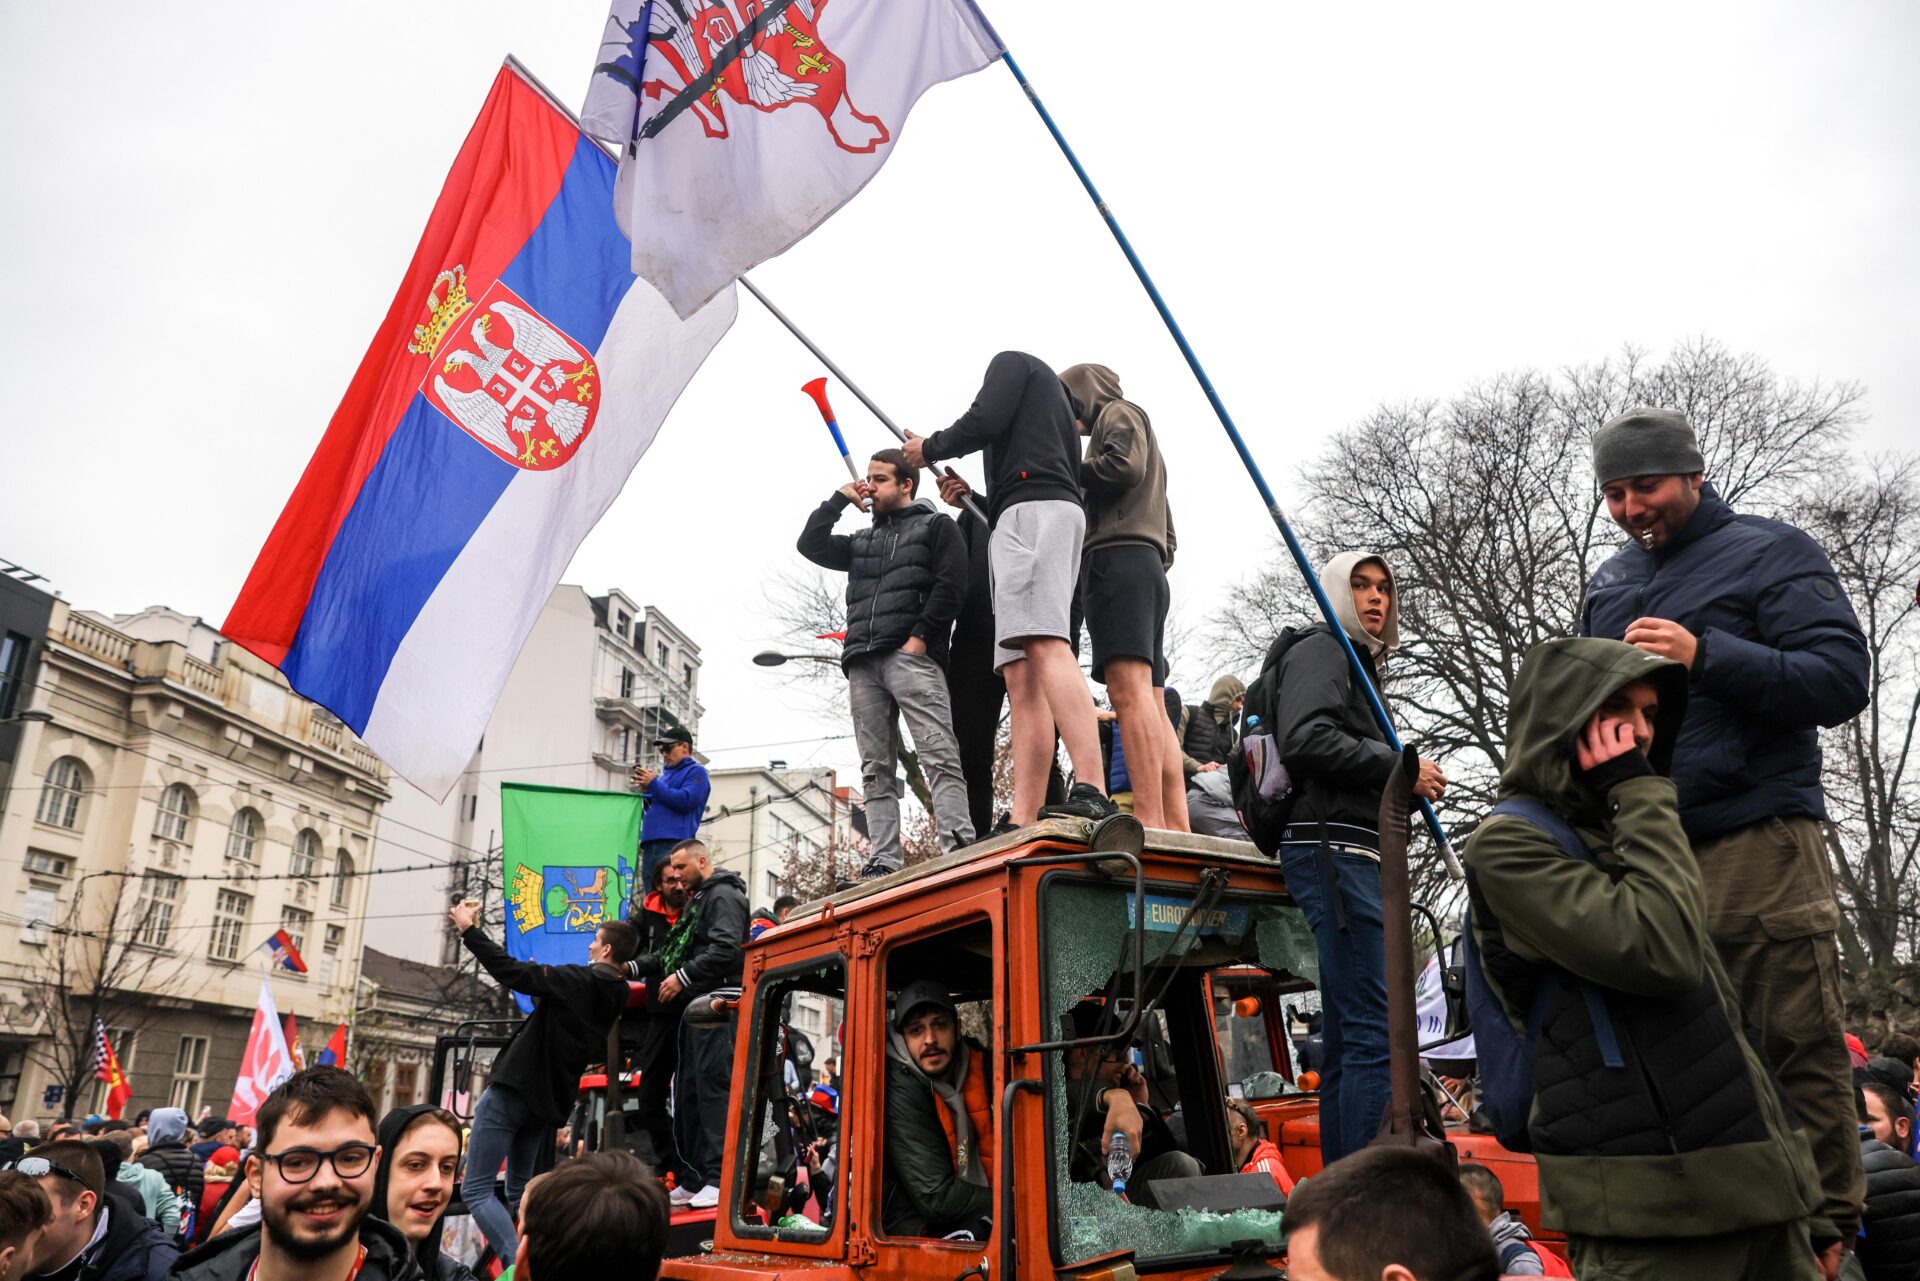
1773 917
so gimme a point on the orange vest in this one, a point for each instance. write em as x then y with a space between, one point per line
973 1092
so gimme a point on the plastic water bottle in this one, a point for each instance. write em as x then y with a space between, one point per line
1119 1162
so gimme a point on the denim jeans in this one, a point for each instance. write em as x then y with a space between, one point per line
1355 1087
881 690
504 1129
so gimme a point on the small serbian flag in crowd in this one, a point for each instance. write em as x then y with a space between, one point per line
284 953
106 1067
519 375
334 1052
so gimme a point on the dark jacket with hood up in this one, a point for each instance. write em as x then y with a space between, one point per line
906 575
169 1154
713 925
1692 1137
574 1006
436 1265
1123 476
133 1249
229 1256
1780 656
1024 420
1208 736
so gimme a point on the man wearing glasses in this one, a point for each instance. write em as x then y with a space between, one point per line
313 1175
91 1237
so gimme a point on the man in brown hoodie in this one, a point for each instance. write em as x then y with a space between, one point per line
1123 585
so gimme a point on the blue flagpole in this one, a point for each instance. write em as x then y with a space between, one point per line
1240 447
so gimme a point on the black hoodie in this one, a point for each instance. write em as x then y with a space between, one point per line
437 1266
1024 419
716 913
574 1006
230 1256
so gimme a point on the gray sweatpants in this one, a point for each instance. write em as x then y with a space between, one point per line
914 687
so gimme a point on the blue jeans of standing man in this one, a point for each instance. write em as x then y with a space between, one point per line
504 1129
1355 1087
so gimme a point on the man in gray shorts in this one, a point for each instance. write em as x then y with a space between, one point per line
1024 420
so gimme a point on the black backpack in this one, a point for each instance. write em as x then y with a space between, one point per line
1263 793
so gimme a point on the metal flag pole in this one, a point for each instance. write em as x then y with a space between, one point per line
1240 447
847 382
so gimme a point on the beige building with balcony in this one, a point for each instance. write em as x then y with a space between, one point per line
176 805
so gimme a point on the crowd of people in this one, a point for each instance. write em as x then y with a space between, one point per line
336 1191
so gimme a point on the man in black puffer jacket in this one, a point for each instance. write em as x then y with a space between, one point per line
906 579
1890 1233
1753 611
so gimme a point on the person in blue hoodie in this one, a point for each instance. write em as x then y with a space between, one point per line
676 799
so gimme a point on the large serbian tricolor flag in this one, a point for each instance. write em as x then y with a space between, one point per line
744 124
519 375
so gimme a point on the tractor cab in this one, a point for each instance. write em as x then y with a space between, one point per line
1069 968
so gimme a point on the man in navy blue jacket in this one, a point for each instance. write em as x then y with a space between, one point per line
1753 608
676 801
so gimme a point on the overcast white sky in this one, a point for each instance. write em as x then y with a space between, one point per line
207 208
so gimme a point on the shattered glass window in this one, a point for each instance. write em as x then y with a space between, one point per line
1089 940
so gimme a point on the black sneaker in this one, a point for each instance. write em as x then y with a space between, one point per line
1083 801
872 871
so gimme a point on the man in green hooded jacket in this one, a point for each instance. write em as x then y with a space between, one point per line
1686 1161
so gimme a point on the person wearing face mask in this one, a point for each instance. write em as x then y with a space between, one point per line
1684 1159
1754 612
313 1174
1339 760
415 1180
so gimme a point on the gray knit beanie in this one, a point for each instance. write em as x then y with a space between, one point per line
1646 442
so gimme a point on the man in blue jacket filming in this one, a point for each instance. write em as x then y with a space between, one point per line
1774 653
676 800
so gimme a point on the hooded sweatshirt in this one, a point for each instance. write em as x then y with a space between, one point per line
1692 1137
1123 477
1023 419
437 1266
167 1152
1209 735
1333 747
935 1185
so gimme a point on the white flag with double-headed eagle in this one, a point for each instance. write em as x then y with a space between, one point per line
744 124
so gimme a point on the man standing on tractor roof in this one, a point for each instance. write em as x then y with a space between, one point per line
676 799
1024 419
939 1124
1753 611
703 951
906 577
1123 585
1666 1147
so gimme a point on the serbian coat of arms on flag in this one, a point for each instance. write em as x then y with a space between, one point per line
745 123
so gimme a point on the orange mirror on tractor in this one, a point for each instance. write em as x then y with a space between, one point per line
1247 1007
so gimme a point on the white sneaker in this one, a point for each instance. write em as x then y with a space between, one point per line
706 1198
681 1194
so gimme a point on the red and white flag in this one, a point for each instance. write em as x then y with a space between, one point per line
266 1063
744 124
106 1067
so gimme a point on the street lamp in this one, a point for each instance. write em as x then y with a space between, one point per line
34 716
773 658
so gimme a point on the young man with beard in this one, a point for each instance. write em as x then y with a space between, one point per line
313 1174
1024 419
1666 1147
939 1123
92 1237
906 577
1773 653
703 951
1128 549
536 1078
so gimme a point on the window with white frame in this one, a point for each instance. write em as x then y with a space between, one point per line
159 899
297 924
230 910
342 876
686 675
306 853
174 819
60 795
49 864
626 682
773 885
666 655
243 835
189 1074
